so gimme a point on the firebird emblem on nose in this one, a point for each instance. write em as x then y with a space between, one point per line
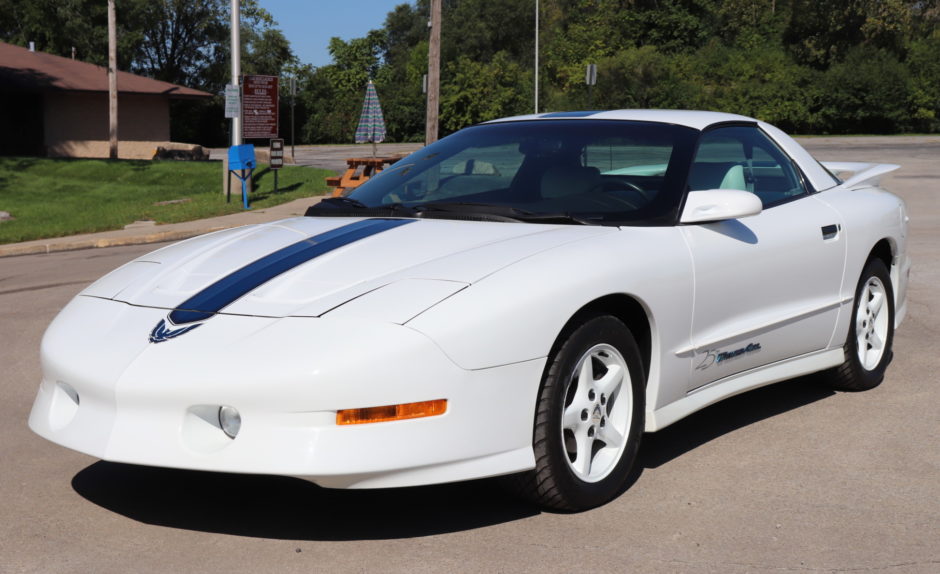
161 333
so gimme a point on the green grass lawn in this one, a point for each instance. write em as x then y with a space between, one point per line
58 197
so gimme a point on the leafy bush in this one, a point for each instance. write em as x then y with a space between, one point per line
865 93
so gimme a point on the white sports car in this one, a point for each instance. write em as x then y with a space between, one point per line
527 296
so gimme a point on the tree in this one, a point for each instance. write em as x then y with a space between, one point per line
334 94
187 41
673 25
749 23
183 42
57 26
266 52
479 29
762 82
179 41
404 61
634 78
466 100
821 32
865 93
924 64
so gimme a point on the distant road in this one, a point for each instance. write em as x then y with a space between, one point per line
333 157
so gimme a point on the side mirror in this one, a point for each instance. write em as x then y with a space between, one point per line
719 205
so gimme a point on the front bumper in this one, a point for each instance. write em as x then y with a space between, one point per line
108 392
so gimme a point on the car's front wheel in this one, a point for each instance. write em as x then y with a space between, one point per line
589 417
871 333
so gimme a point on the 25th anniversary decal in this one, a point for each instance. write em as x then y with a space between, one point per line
717 356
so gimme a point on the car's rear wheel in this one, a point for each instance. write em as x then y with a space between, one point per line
589 417
871 333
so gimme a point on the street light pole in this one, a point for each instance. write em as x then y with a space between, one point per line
293 96
236 68
536 56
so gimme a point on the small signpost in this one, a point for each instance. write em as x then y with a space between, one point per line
233 103
241 159
590 75
259 107
590 78
277 158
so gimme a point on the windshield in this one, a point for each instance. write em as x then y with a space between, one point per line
603 172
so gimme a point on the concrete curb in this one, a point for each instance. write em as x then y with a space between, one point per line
52 246
133 235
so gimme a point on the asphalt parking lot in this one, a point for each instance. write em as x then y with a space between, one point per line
791 477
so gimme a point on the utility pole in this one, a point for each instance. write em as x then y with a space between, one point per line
112 84
434 74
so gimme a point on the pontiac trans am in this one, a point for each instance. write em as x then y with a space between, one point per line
526 297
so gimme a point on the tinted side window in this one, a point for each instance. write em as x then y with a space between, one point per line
742 157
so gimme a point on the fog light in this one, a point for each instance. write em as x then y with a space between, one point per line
230 421
391 412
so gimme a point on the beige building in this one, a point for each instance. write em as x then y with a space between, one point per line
54 106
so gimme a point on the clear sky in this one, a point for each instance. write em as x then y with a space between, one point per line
309 24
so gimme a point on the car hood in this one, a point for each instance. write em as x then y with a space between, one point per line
308 266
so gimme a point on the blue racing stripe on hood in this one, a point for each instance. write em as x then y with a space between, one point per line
232 287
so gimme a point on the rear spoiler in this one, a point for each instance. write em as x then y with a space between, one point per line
868 174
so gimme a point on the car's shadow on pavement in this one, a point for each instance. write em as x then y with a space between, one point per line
729 415
294 509
290 508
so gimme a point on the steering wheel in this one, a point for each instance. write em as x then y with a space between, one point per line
624 192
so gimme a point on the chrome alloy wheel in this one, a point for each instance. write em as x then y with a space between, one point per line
597 416
871 323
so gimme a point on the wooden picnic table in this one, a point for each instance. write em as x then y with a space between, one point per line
358 171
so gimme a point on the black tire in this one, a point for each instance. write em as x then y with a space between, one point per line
872 330
559 482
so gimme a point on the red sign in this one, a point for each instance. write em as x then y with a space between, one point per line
259 107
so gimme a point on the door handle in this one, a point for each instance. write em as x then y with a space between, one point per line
830 231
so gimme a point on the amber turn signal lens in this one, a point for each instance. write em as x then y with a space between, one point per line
391 412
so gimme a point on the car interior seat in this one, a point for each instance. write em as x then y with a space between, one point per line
734 178
717 175
563 180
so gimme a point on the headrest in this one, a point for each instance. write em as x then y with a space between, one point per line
734 179
716 176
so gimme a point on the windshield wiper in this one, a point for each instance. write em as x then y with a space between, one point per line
342 201
555 218
347 206
502 211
